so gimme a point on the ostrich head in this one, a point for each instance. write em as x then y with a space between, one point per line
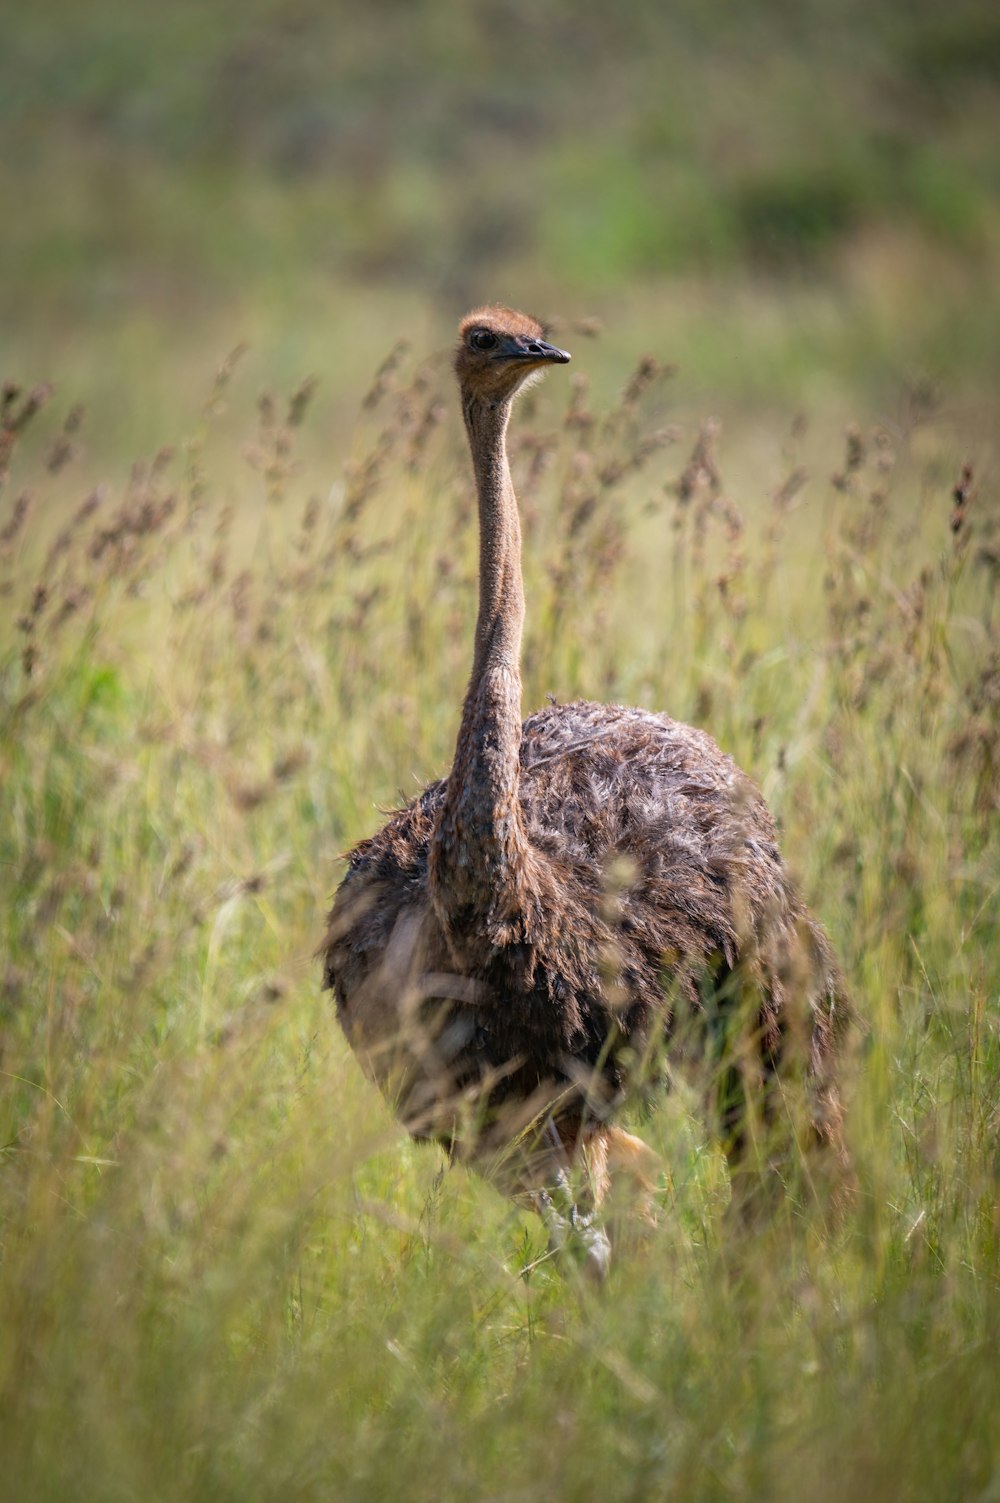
498 349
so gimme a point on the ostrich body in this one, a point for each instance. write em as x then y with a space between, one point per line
586 894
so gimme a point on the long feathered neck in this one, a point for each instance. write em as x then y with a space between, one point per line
478 857
501 589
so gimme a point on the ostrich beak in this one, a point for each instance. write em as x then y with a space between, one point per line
538 349
520 347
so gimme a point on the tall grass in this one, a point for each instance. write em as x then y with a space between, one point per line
225 1273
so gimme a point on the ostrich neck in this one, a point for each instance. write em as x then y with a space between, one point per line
501 591
478 856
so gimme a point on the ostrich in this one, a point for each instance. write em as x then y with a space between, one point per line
588 897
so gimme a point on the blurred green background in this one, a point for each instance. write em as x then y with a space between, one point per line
789 198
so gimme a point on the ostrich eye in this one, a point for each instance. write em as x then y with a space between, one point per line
482 339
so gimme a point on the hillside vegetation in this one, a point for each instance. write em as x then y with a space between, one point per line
799 198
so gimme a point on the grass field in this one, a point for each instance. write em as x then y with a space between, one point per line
225 1273
235 624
